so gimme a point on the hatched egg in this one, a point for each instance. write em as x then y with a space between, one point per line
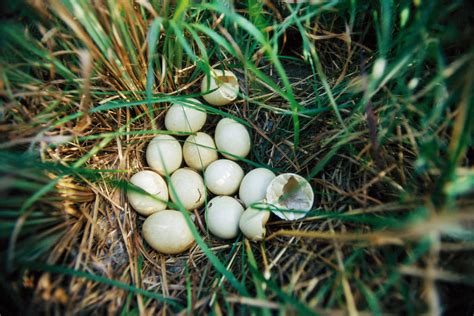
185 116
232 139
164 154
188 188
152 183
291 194
199 151
225 84
167 232
223 176
252 222
253 187
223 215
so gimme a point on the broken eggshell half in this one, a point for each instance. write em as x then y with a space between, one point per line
290 196
253 220
225 86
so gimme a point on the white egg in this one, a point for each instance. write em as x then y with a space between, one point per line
164 154
152 183
253 187
185 116
199 151
188 188
233 138
223 215
291 194
167 232
223 177
226 84
252 222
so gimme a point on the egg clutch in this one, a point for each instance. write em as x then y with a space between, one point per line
260 191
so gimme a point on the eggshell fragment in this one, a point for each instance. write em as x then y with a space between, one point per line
188 188
164 154
223 177
223 215
232 139
199 151
253 187
185 116
252 222
290 192
227 87
152 183
167 232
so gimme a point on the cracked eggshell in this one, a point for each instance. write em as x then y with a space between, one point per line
223 177
167 232
233 138
185 116
253 187
189 188
223 215
252 222
290 191
199 151
226 84
164 154
152 183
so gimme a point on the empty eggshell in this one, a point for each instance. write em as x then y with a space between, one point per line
232 138
253 187
164 154
185 116
289 192
252 222
152 183
199 151
188 188
225 83
223 215
167 232
223 177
